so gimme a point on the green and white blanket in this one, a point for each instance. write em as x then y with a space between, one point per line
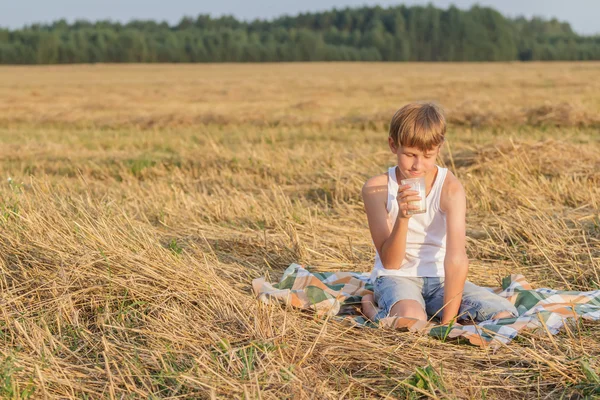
338 294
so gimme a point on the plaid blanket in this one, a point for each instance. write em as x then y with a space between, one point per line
338 294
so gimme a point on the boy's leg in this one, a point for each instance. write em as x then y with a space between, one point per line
409 309
398 296
478 304
368 306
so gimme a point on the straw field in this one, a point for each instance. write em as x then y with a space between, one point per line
138 202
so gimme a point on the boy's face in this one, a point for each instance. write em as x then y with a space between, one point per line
414 163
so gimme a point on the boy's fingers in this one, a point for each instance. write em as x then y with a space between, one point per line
410 198
408 193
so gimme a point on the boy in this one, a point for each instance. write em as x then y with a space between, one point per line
421 264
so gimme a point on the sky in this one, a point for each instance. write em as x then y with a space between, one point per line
581 14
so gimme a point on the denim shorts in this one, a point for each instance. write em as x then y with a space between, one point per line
478 304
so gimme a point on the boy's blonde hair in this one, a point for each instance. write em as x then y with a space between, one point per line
421 125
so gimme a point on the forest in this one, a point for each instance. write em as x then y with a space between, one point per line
399 33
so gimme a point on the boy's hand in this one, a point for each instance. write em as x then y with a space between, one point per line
404 197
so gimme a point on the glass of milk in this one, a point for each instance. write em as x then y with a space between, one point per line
417 184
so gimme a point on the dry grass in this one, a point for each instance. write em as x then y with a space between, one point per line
313 94
144 200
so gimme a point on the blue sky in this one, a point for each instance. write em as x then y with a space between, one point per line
583 15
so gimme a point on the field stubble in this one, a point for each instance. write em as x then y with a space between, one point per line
133 224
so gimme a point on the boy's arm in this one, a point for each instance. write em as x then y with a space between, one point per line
390 244
456 263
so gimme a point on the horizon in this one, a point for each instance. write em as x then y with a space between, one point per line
580 27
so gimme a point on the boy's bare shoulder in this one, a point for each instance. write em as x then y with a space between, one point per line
376 186
377 180
452 191
451 184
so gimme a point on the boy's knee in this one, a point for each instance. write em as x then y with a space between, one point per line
368 298
408 309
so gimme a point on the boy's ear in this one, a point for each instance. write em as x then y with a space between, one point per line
393 147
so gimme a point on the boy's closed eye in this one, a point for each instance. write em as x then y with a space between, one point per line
424 155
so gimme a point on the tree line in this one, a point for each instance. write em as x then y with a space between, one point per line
399 33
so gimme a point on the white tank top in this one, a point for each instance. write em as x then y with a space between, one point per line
426 237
